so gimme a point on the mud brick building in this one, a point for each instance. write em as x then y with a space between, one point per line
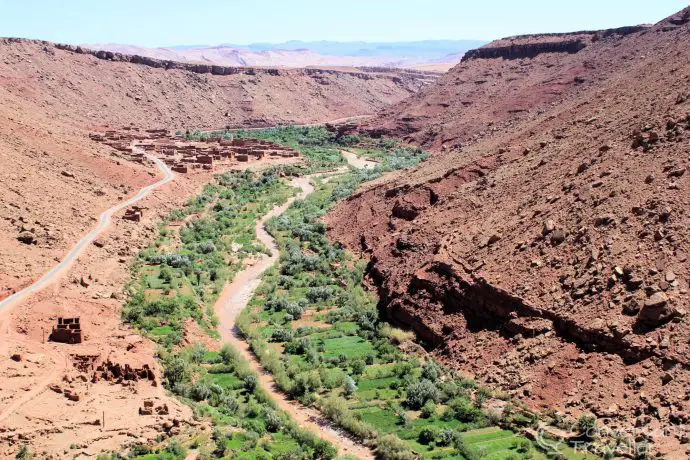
68 330
135 213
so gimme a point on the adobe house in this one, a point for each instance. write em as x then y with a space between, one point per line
68 330
180 168
242 157
205 159
135 213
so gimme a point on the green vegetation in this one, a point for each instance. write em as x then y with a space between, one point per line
311 324
180 276
322 149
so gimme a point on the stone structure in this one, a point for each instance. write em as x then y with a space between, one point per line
68 330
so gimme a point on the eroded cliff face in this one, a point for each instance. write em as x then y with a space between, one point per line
549 254
504 83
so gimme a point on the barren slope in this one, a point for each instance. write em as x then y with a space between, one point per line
549 255
50 98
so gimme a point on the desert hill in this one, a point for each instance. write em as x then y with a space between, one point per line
51 96
310 54
56 180
544 247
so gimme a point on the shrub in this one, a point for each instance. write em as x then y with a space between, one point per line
335 408
587 425
319 293
24 453
200 391
350 386
431 371
294 310
390 447
206 247
428 409
463 410
250 383
467 452
395 335
358 367
418 393
282 335
273 421
427 435
524 446
176 371
446 437
298 347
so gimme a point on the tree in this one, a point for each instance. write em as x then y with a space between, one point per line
431 371
358 367
427 435
250 383
428 409
418 393
350 386
390 447
587 425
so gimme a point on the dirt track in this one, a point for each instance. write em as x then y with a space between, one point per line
234 299
104 221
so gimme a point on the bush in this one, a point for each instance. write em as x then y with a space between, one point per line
319 293
467 452
463 410
358 367
273 421
427 435
250 383
350 386
390 447
431 371
418 393
524 446
335 408
294 310
446 437
176 371
428 409
282 335
24 453
587 425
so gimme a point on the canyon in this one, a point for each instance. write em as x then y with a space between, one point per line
543 247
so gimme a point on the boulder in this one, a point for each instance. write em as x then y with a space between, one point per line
655 311
27 237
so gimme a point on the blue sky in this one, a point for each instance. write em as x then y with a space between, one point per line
211 22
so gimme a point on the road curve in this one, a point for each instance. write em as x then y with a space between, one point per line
54 273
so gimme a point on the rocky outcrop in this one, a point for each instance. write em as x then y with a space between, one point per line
527 50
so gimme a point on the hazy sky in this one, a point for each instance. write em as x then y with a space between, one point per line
211 22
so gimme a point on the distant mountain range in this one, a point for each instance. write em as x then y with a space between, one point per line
440 54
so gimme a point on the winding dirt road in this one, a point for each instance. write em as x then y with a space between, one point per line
61 362
54 273
234 299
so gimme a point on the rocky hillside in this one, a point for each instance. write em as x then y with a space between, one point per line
56 181
544 247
